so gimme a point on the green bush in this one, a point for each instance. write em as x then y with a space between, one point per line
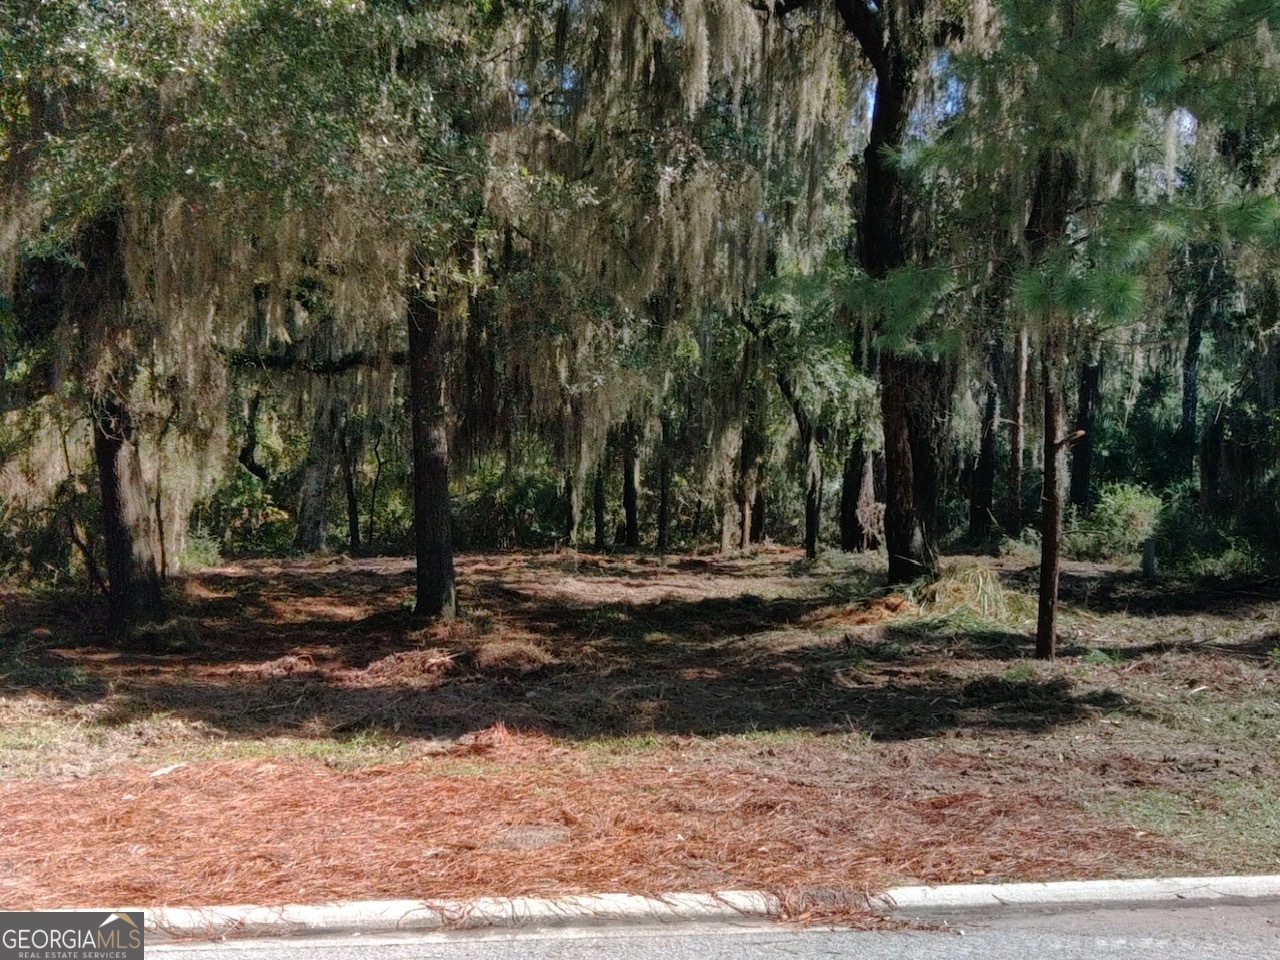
502 508
1192 544
245 515
200 552
1124 517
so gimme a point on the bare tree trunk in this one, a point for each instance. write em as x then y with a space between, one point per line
911 552
758 511
371 537
752 460
598 505
572 512
1047 226
1050 506
664 486
132 543
433 537
730 522
1203 293
1017 436
1087 401
97 293
851 538
318 471
631 485
812 467
349 467
248 456
813 502
983 491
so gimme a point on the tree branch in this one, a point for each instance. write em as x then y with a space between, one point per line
867 28
778 8
288 361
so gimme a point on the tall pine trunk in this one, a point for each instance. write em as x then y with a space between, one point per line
1051 504
598 507
631 485
664 485
982 494
1017 435
1088 399
433 539
1046 227
1204 291
851 536
349 473
132 539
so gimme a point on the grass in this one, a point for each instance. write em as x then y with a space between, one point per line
1229 827
797 726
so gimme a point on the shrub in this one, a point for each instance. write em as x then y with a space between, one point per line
1124 517
1194 545
246 515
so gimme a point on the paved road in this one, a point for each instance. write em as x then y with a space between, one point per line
1219 932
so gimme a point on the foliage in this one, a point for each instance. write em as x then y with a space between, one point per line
1190 543
499 507
245 517
1124 517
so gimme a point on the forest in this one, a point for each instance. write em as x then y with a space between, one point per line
467 448
395 277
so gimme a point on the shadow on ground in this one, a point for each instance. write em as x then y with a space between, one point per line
314 649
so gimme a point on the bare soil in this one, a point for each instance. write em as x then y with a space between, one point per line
616 724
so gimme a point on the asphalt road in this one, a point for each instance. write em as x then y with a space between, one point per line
1224 931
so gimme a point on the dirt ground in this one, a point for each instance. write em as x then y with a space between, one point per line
620 725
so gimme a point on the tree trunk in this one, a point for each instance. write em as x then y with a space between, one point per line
758 512
751 463
317 473
379 463
851 537
97 293
1051 507
349 467
1198 316
1017 436
433 539
1046 227
812 466
911 552
664 486
248 456
813 502
891 40
928 410
572 510
598 505
730 522
132 542
982 493
1088 398
631 485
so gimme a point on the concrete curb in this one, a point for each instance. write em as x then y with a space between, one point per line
1110 892
387 916
391 916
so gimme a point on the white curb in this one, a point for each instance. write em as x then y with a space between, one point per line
981 895
385 916
410 915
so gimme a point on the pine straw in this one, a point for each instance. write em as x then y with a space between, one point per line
512 814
